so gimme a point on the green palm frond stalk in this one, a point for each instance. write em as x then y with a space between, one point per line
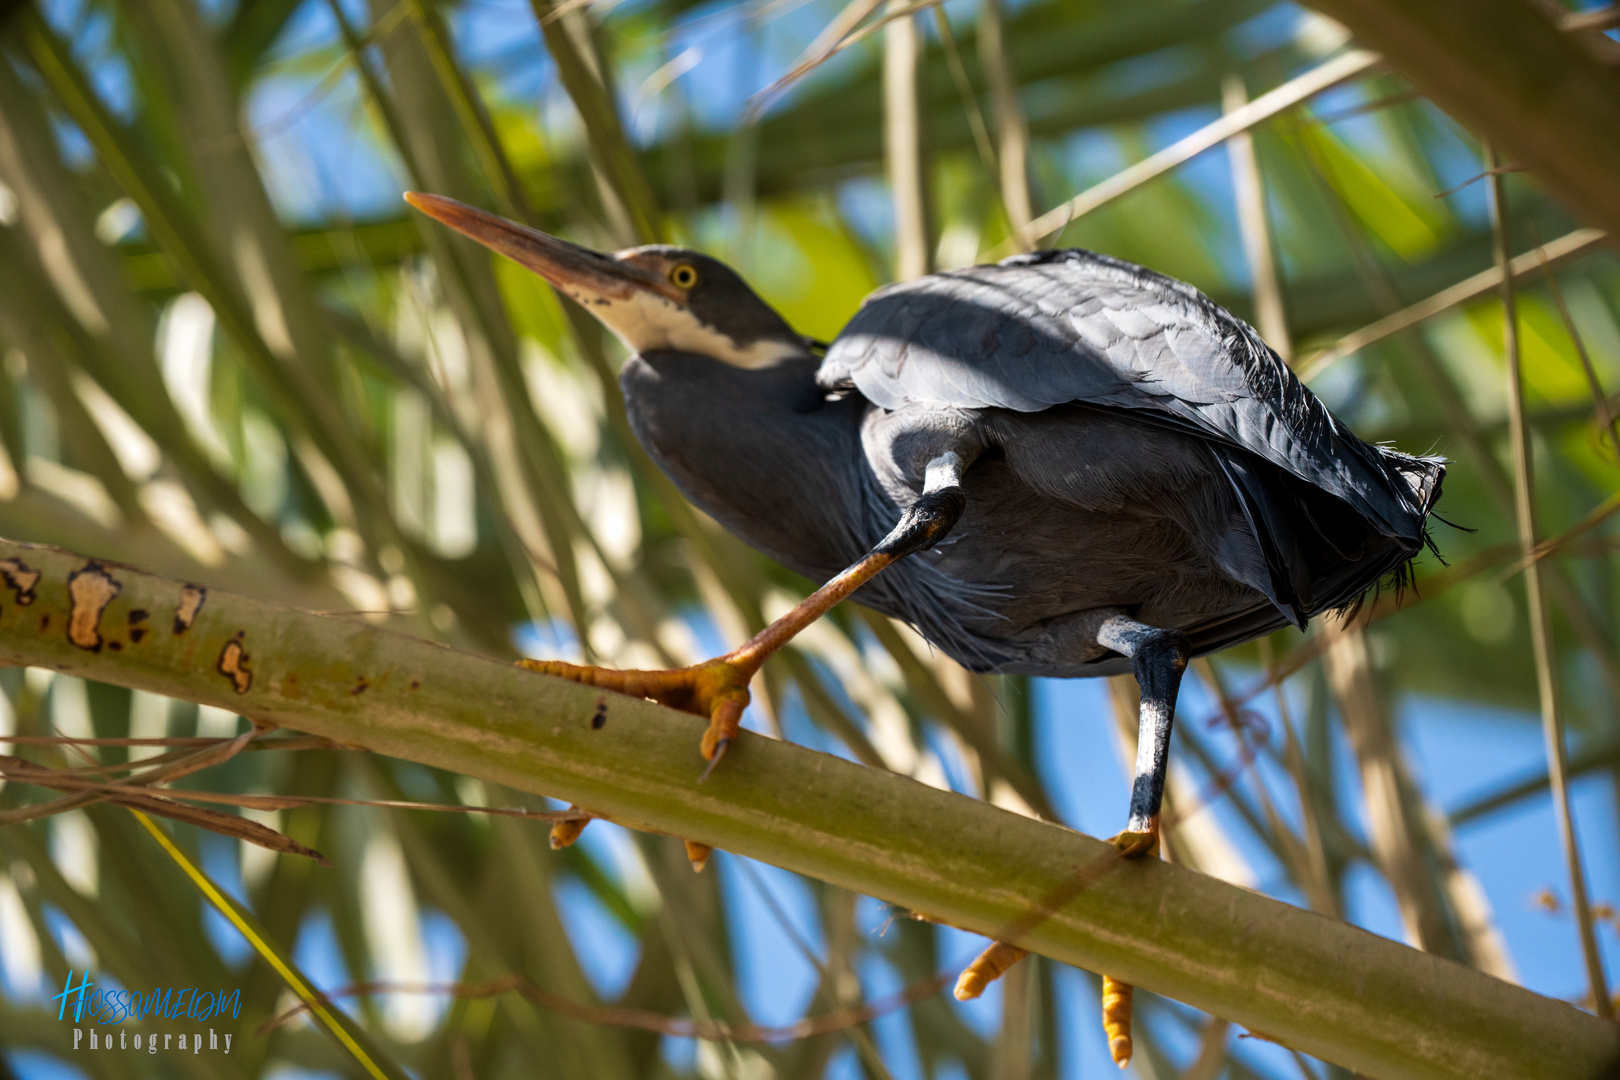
1314 984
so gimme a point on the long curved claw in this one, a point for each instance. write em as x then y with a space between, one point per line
719 752
725 720
697 854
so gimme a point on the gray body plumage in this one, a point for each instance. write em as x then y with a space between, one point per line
1130 446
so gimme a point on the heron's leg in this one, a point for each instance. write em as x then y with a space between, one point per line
718 689
1158 658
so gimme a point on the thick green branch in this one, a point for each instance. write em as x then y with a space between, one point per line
1319 986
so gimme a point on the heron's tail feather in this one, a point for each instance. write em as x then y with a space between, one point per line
1324 553
1423 477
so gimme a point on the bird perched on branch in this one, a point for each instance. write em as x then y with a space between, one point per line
1061 464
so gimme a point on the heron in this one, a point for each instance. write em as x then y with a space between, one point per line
1062 464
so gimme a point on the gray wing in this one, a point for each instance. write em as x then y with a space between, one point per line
1054 327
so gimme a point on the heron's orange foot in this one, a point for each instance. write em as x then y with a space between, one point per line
1116 996
716 690
1137 845
991 965
1116 1010
565 831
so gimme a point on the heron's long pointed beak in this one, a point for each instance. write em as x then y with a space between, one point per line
578 271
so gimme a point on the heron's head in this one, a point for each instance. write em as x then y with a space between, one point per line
656 298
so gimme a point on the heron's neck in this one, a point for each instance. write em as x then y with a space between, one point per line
758 450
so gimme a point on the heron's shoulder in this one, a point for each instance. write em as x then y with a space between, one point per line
1068 272
1051 326
1073 326
1098 288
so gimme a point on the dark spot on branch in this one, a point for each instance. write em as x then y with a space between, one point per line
599 718
137 615
44 622
116 646
360 686
21 577
135 635
191 602
233 664
416 684
90 590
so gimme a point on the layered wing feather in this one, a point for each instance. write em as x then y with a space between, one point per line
1055 327
1064 326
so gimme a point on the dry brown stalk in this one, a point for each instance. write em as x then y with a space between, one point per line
1600 400
238 828
1540 625
1569 246
903 149
1335 72
679 1027
1271 317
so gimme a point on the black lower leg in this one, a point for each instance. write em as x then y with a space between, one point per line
927 520
1158 658
924 523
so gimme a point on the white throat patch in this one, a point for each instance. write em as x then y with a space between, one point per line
647 322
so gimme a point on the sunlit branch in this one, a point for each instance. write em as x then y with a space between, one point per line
1569 246
1335 72
1226 950
1541 643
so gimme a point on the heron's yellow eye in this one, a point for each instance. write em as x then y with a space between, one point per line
683 275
